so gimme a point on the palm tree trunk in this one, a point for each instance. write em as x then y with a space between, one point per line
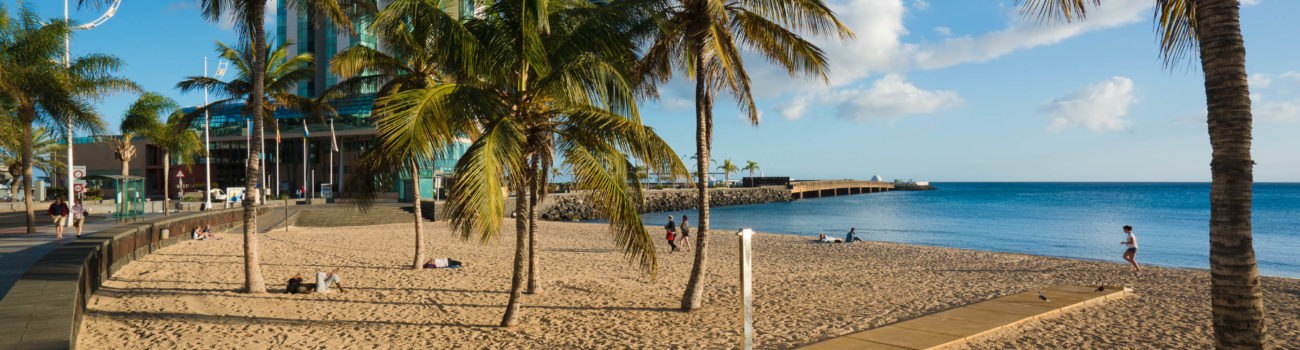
1236 298
253 282
27 172
521 241
533 195
694 296
167 199
419 225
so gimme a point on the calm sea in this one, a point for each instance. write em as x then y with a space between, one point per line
1074 220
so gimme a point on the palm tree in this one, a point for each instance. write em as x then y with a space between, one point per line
143 118
701 37
38 87
249 19
422 43
1211 30
543 84
176 141
727 168
45 147
751 167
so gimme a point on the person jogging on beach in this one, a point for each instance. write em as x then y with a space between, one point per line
671 234
686 233
1130 254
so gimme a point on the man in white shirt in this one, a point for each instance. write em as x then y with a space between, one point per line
1130 254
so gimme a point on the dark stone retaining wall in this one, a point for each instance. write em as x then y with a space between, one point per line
44 308
577 206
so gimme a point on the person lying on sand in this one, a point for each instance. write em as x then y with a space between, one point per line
443 263
297 287
821 237
323 283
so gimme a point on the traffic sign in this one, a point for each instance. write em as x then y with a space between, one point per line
78 188
180 174
78 171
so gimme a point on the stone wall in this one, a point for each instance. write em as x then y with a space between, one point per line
577 206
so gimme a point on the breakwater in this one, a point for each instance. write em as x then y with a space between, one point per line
578 206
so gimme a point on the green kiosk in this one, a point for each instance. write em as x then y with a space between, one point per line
130 197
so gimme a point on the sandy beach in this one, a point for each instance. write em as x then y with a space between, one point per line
184 296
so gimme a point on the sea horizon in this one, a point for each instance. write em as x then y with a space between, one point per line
1076 220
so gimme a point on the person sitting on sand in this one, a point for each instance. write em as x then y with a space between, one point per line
443 263
852 236
204 233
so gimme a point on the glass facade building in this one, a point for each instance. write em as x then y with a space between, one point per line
298 158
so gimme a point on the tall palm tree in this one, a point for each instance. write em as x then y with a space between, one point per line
422 44
545 83
751 167
177 142
249 19
40 89
1211 30
727 168
704 39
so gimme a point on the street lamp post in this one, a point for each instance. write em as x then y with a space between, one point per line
67 63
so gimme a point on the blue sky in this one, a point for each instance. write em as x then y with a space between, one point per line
931 90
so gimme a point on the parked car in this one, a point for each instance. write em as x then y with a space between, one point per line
218 194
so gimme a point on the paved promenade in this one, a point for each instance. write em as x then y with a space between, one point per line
18 250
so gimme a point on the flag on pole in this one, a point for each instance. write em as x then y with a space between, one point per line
305 132
277 134
334 142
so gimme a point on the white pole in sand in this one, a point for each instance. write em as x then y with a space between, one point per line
746 289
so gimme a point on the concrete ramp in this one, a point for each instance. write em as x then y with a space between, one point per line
959 325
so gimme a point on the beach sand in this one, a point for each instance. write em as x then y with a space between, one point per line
184 296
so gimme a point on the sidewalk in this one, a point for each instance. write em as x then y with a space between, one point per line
18 250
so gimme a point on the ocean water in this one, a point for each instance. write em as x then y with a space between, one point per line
1073 220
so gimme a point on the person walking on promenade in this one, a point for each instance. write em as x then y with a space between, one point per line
79 213
59 212
1130 254
671 234
852 236
686 233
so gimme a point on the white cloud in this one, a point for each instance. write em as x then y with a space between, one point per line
795 109
1097 107
944 31
1260 80
1293 76
890 97
1027 33
1277 111
674 103
1250 2
921 4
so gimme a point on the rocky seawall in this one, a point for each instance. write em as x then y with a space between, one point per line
578 206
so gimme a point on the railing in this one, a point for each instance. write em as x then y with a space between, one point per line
44 308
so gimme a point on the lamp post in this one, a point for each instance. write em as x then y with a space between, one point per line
67 63
207 122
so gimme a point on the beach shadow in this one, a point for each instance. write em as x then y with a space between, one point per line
580 250
190 317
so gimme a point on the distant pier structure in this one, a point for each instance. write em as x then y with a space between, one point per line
800 189
828 188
